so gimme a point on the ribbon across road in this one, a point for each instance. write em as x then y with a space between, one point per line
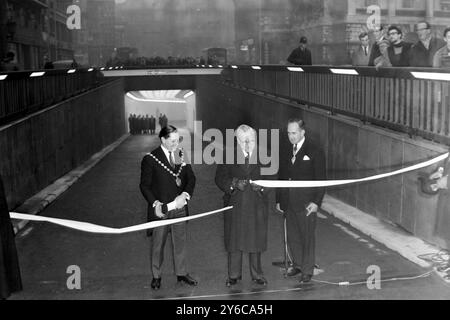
330 183
93 228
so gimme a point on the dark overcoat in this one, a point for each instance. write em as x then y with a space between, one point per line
246 224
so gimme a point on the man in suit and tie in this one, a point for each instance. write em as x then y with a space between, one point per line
246 224
167 183
305 161
361 55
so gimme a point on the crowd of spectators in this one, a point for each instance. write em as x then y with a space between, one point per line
114 61
388 49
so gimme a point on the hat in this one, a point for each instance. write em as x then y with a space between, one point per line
303 40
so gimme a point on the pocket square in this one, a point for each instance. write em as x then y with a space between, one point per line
306 158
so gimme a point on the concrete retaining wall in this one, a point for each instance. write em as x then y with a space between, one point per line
39 149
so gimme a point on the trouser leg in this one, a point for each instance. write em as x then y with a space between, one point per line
254 259
179 240
157 254
235 265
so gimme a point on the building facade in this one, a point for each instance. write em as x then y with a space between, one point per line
37 28
177 28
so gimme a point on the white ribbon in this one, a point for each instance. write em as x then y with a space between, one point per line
329 183
89 227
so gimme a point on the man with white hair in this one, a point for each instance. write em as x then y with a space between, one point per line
246 224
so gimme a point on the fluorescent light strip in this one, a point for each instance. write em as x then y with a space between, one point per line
3 76
90 69
256 67
345 71
220 66
431 76
234 67
131 96
187 95
37 74
71 71
296 69
102 69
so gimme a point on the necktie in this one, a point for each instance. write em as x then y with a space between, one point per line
247 159
365 50
172 164
294 151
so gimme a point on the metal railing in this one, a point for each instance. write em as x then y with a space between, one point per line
22 93
409 100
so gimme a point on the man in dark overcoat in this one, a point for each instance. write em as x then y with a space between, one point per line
246 224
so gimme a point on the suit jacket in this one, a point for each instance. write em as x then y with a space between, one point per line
302 169
359 58
158 184
246 224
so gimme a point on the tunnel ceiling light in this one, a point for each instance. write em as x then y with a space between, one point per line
71 71
220 66
256 67
345 71
187 95
90 69
110 68
431 76
131 96
210 66
37 74
296 69
3 76
102 69
234 67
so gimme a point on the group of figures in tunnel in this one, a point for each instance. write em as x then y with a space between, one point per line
140 124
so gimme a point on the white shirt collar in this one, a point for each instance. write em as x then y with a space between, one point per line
166 152
299 145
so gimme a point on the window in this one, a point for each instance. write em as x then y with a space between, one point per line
445 5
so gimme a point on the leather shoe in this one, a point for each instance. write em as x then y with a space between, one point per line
293 271
260 281
305 278
156 283
232 281
187 279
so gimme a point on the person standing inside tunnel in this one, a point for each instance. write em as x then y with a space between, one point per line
10 280
246 225
305 161
167 185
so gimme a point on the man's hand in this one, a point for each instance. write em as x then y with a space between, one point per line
278 207
442 183
158 210
180 201
312 207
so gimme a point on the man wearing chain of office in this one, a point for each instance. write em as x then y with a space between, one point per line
167 183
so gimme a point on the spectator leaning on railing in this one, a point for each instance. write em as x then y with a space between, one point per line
399 50
442 57
379 34
422 52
